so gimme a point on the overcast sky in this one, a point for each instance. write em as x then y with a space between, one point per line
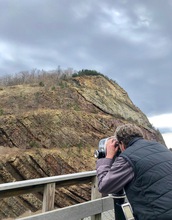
127 40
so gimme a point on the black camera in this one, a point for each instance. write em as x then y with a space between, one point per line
101 152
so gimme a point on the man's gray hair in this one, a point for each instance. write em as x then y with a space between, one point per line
127 132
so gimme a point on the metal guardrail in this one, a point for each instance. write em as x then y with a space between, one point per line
49 184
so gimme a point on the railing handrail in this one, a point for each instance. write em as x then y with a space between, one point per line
48 186
92 208
46 180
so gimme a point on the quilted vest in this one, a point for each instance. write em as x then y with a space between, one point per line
150 192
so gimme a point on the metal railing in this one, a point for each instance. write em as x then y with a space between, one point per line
93 208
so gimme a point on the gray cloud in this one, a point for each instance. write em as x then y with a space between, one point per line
129 41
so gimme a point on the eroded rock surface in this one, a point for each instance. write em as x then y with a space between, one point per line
54 130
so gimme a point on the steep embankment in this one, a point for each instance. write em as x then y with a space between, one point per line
54 129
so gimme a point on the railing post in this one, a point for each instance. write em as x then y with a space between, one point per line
95 195
48 197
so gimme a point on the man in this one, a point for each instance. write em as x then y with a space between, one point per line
143 169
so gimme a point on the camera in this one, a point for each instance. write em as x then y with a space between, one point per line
101 152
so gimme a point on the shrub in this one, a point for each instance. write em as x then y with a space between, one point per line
87 73
41 84
1 112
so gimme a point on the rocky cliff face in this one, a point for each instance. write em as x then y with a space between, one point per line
54 129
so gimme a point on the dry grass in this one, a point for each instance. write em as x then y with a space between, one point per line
8 152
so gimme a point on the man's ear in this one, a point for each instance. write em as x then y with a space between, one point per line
122 146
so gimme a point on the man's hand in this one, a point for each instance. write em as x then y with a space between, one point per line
111 148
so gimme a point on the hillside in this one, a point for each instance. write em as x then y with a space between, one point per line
53 128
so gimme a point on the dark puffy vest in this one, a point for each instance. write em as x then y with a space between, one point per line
150 192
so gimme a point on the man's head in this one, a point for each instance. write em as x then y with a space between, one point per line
125 133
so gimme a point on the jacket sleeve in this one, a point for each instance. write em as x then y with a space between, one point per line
113 175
